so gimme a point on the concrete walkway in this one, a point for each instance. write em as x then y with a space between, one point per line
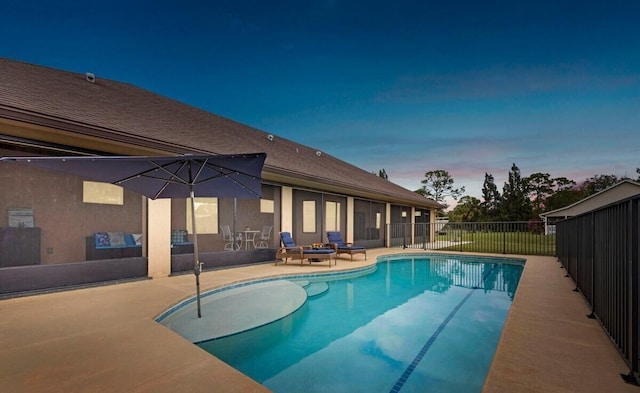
105 339
549 345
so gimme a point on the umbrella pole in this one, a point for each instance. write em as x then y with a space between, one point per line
234 225
197 268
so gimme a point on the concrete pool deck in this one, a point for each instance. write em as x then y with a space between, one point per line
105 339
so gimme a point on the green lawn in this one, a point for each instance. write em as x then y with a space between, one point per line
500 242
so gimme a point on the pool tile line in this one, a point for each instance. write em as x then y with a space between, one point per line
472 258
363 270
409 370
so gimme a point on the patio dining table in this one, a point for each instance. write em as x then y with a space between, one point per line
249 237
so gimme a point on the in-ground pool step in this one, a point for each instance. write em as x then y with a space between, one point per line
302 283
313 288
316 288
244 307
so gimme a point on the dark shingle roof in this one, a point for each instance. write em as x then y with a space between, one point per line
115 110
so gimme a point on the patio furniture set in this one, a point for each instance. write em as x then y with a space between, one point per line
317 252
250 237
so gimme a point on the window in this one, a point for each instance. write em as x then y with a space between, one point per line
266 206
378 220
206 215
309 216
104 193
332 216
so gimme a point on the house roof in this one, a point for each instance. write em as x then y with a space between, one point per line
615 193
87 106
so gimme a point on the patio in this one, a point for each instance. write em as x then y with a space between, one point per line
105 338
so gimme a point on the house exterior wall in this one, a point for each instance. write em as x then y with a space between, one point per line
159 237
387 228
35 123
286 218
66 221
350 220
59 211
318 234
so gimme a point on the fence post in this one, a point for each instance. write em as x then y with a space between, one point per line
504 240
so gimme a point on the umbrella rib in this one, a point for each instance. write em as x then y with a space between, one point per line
194 180
204 163
225 172
173 179
172 174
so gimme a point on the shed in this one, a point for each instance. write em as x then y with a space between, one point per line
615 193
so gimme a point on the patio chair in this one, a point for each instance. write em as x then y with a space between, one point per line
231 243
341 247
265 234
289 249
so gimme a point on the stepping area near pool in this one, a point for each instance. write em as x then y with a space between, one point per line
106 338
235 310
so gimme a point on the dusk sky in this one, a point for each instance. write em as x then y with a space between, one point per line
409 86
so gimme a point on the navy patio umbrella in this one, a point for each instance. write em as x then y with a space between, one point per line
187 176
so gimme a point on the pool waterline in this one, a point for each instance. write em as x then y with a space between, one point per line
460 286
333 275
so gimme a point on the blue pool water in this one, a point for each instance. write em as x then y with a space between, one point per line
415 324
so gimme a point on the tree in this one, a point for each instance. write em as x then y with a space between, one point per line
562 184
542 188
564 193
468 209
491 197
438 184
383 174
515 204
562 198
598 183
539 187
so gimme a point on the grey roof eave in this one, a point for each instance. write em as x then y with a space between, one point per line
554 213
293 177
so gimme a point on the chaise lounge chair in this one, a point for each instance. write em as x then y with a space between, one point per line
289 249
335 240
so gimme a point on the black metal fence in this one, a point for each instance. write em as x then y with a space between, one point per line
599 250
527 238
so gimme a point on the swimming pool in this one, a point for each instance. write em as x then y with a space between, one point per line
412 324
